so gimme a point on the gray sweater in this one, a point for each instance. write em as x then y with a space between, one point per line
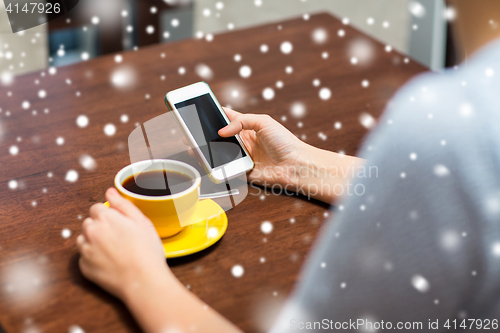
422 244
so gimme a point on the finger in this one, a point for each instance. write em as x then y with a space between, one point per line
80 240
96 209
123 205
185 141
86 226
241 122
82 245
230 113
84 268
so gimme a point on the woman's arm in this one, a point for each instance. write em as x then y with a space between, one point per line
161 303
324 175
281 159
121 252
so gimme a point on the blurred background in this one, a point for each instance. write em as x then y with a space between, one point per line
425 30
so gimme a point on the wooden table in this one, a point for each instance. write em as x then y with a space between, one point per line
40 283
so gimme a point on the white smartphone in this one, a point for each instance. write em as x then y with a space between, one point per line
200 117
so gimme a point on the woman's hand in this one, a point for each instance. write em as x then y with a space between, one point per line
274 149
281 158
119 247
121 252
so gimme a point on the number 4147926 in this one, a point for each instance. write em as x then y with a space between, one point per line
36 7
484 324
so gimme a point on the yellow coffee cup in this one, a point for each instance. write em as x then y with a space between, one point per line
169 213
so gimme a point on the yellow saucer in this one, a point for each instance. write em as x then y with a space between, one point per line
198 236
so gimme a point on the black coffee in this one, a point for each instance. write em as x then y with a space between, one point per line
158 182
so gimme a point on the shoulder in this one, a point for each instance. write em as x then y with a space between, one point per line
455 109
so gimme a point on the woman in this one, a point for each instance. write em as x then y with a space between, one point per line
419 248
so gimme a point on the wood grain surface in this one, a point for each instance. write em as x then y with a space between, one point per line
40 283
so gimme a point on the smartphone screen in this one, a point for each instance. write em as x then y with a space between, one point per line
204 120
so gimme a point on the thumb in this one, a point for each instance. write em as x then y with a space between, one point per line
230 113
248 121
124 206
